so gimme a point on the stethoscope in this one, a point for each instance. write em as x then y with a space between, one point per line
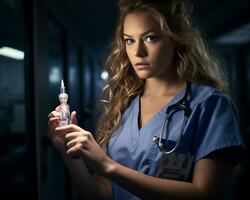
180 105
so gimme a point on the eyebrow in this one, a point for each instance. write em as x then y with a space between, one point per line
145 33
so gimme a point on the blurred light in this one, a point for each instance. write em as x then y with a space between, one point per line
240 35
104 75
12 53
72 73
54 75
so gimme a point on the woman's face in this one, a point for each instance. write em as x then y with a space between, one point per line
150 52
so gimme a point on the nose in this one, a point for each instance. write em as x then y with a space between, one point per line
140 49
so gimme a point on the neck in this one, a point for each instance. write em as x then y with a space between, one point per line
161 86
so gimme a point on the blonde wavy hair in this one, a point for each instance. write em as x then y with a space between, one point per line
193 60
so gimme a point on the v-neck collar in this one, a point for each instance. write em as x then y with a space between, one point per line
174 100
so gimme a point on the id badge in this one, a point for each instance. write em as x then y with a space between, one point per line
176 166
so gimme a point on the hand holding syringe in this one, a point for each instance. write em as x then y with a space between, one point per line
72 140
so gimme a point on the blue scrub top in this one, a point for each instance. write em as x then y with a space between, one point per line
212 125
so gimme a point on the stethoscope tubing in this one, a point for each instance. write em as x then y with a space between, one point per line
178 139
182 105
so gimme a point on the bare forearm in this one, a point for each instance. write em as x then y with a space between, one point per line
86 184
147 187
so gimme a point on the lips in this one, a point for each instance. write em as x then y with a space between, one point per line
141 65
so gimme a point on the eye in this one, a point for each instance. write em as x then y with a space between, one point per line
151 38
129 41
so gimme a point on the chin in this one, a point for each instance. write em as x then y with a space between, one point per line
144 75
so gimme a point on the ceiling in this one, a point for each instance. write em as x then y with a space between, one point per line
96 18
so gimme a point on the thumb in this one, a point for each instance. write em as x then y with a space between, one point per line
73 118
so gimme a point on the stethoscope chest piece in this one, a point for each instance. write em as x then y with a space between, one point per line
159 144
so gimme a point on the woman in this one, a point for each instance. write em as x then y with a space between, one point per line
167 127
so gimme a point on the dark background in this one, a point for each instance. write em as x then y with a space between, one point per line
69 40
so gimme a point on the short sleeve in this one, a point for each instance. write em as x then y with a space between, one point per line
218 126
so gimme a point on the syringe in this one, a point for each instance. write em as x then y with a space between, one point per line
64 107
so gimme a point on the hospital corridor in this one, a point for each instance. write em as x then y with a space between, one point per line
48 47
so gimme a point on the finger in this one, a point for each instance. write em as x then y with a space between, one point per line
53 123
53 119
77 134
57 109
72 135
68 146
73 118
53 114
80 140
68 128
73 149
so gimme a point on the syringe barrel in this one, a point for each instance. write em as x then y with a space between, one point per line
64 107
64 114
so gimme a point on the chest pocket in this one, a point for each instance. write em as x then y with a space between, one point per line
178 164
175 166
